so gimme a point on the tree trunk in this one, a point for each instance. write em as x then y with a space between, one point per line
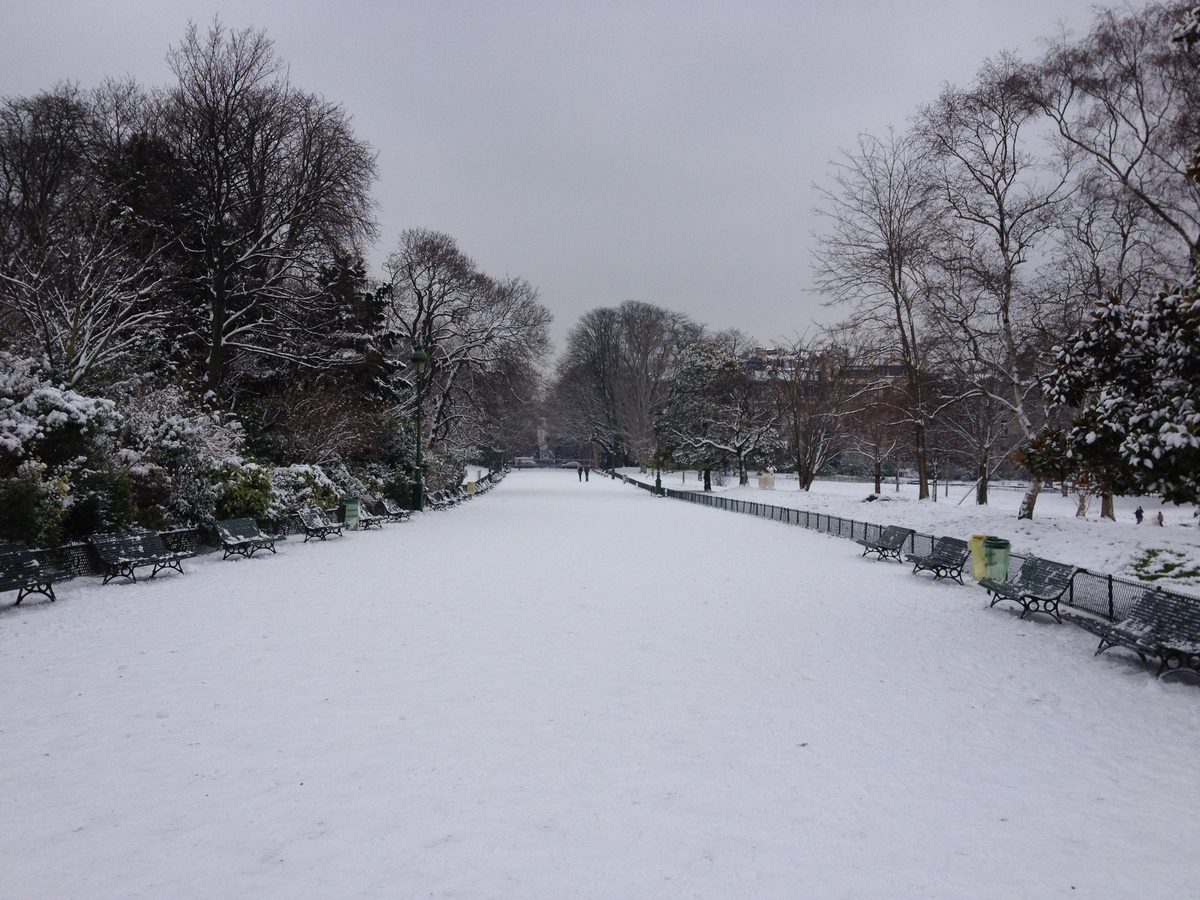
981 486
1030 498
922 463
1081 508
878 476
708 479
216 353
743 475
1106 505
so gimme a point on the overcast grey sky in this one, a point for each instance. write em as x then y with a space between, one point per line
604 151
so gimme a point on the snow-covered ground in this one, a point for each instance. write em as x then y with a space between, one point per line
577 690
1101 545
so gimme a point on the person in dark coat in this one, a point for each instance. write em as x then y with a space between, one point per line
579 472
1138 513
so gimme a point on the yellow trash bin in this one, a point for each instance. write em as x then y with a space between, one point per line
978 563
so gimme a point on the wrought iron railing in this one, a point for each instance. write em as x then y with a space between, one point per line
1106 596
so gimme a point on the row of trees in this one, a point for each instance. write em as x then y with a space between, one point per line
969 246
1001 262
182 291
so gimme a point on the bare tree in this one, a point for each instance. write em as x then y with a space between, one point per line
875 259
616 371
279 183
1127 99
873 430
999 201
810 395
78 276
485 339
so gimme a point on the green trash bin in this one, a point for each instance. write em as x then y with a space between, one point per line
350 512
995 557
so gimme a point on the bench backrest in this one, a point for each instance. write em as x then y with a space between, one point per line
238 529
1168 616
118 548
950 549
393 508
1043 577
893 537
17 566
314 518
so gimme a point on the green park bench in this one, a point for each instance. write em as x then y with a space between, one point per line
244 537
121 554
889 543
945 559
447 498
368 518
315 524
28 572
1037 587
1161 625
392 510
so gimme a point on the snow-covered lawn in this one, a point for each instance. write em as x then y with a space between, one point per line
577 690
1101 545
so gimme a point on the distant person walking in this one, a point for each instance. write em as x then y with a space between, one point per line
579 471
1138 513
1159 519
587 470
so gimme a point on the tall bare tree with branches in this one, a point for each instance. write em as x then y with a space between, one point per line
279 185
875 259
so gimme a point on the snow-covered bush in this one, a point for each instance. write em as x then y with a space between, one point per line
294 487
1133 378
39 420
172 450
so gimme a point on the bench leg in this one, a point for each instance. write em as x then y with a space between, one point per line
175 564
46 591
1178 661
1039 605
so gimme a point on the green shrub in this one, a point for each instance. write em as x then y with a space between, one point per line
33 506
242 491
102 501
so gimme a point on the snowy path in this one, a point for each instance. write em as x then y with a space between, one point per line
566 690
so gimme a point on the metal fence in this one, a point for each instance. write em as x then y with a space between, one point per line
1105 596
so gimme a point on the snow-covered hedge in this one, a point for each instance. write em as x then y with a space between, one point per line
36 415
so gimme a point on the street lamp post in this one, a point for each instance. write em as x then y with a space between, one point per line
419 358
658 489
